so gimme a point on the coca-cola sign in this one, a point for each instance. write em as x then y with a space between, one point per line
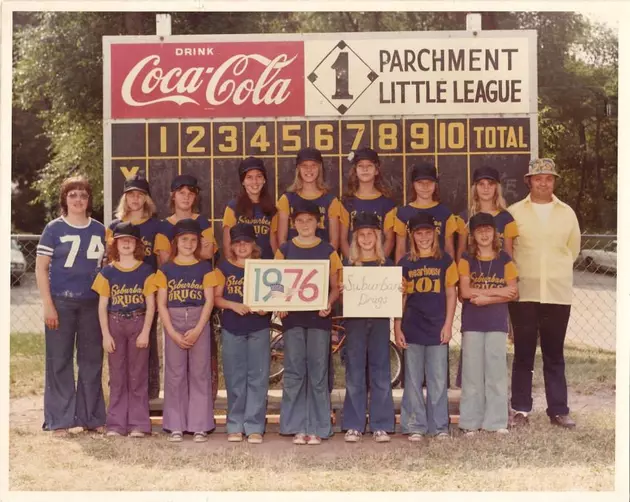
216 79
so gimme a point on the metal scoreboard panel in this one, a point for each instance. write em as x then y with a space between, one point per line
164 114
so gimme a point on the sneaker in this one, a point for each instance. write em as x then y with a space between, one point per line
299 439
502 431
470 433
235 437
352 436
176 437
415 437
519 419
136 434
255 438
200 437
381 437
314 440
563 421
443 435
113 434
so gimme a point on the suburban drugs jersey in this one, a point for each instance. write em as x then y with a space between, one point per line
76 255
320 250
148 230
185 282
126 288
486 273
384 207
426 280
329 207
505 225
231 277
261 222
445 221
166 233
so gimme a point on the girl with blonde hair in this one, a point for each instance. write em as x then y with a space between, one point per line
309 185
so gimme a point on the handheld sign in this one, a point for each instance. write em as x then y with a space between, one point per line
372 292
289 285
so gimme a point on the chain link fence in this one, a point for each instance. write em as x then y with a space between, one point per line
593 314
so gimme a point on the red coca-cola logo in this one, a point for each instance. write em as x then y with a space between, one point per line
224 79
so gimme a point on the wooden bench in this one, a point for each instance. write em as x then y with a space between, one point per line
274 398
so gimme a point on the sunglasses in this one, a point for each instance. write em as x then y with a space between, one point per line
78 195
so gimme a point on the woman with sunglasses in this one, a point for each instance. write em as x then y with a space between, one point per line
69 256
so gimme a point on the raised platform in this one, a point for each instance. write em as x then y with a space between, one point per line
274 398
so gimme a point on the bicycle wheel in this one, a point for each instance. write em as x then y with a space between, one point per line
277 353
395 362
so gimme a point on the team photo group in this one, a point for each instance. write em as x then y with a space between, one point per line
105 289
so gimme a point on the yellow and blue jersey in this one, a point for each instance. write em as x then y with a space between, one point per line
126 289
329 208
231 277
486 274
75 256
185 282
445 220
426 280
384 207
261 222
166 233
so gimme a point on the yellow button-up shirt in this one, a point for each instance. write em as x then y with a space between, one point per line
544 252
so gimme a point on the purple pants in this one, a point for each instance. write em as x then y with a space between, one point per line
128 378
188 404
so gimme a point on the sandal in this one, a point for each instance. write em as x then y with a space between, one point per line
176 437
60 433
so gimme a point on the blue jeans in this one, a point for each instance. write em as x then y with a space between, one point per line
305 397
67 406
367 341
431 362
246 360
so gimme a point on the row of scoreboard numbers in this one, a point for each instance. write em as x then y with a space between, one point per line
331 137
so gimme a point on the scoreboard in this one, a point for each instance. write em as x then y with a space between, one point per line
334 92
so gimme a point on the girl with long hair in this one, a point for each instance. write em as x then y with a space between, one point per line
488 281
309 185
486 196
425 330
366 191
253 206
367 342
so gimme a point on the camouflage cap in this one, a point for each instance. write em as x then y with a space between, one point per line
542 166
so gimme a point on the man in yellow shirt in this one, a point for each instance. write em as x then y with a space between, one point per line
548 243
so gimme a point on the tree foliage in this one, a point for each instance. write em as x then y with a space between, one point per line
58 92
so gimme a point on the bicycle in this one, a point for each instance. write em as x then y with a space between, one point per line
339 338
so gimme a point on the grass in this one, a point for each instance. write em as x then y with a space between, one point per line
539 458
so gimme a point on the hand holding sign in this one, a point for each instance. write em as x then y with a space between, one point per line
372 292
286 285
